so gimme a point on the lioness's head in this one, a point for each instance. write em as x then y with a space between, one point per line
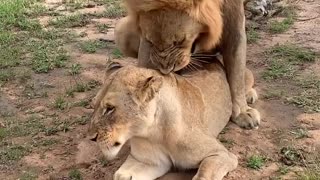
172 26
124 108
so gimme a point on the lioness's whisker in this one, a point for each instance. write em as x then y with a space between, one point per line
200 54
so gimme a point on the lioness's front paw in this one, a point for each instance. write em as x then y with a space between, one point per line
121 175
252 96
249 119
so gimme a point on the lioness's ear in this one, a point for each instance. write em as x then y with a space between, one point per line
149 88
111 67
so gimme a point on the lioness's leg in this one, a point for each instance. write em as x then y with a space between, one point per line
251 93
216 166
127 37
234 57
133 169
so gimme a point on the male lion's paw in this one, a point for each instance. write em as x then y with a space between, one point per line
122 175
250 119
252 96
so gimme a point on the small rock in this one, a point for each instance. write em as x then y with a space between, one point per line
90 5
39 109
2 124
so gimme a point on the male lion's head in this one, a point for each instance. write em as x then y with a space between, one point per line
124 107
170 35
173 27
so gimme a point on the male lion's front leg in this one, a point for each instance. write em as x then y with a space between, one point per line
216 166
133 169
235 63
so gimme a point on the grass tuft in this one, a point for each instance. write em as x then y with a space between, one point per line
60 103
256 162
70 21
92 46
75 175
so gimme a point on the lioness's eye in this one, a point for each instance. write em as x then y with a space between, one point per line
108 110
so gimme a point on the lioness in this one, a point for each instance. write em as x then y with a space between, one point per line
169 31
171 121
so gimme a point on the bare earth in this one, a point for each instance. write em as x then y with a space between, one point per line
65 152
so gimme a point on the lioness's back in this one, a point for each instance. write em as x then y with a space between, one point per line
212 83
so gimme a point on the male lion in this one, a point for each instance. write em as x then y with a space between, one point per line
171 121
167 34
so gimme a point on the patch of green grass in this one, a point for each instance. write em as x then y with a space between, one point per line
44 61
300 133
12 14
114 10
280 26
45 142
308 95
80 87
75 4
256 162
41 49
70 92
12 153
70 21
277 27
82 121
292 53
36 10
28 176
18 128
58 127
92 46
60 103
283 170
252 36
60 36
309 174
103 28
308 99
75 175
6 75
47 55
272 94
75 69
81 103
289 11
9 53
278 69
282 60
116 53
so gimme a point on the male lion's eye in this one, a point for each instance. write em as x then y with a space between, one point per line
109 110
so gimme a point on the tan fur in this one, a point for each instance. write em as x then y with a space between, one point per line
168 29
170 120
206 12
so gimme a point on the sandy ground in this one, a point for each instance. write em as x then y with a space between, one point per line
56 161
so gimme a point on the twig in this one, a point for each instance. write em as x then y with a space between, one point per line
307 19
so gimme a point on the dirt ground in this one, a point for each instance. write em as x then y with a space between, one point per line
44 115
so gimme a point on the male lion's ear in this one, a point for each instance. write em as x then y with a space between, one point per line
149 88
